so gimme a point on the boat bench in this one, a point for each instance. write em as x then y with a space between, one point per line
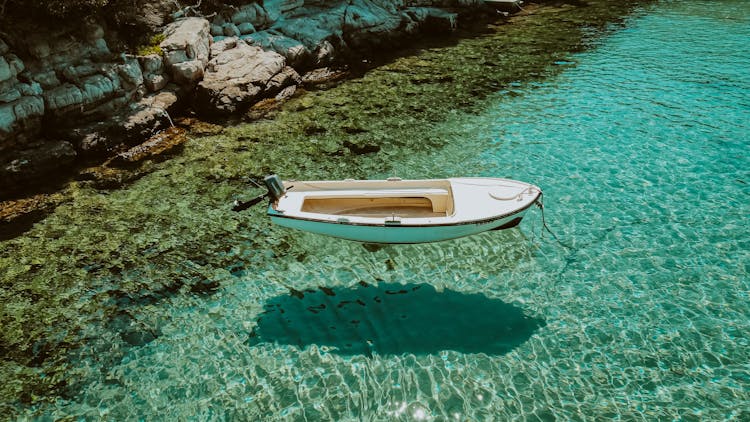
378 193
440 199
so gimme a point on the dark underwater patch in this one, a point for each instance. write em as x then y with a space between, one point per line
392 319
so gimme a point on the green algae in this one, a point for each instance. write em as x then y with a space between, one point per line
104 255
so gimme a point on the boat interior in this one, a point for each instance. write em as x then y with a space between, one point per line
406 202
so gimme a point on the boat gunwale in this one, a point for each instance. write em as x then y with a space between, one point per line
383 224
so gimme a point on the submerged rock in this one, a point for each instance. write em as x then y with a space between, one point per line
198 127
361 148
322 76
18 215
32 164
159 144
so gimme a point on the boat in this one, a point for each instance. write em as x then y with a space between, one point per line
400 211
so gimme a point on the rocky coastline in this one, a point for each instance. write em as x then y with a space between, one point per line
73 94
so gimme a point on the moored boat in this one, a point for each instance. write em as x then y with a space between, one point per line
400 211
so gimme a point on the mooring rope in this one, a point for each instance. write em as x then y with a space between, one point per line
540 203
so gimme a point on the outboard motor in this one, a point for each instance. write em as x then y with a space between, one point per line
275 186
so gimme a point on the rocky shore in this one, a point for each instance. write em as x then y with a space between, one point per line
73 93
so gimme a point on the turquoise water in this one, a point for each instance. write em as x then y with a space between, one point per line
639 311
393 319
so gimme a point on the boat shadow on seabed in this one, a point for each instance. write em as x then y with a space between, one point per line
392 319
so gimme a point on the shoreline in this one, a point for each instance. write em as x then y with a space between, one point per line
72 95
31 200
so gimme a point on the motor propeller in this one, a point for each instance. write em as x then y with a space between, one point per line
243 205
275 190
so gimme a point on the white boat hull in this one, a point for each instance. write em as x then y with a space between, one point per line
402 211
396 234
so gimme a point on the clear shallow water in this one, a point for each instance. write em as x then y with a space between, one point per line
392 319
641 147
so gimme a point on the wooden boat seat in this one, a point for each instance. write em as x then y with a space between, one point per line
407 202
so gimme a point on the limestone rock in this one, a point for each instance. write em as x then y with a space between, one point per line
151 63
16 65
235 77
246 13
429 19
130 73
5 70
440 21
217 30
150 115
145 15
7 120
155 82
245 62
74 74
261 17
134 124
9 95
28 107
166 100
368 23
223 45
189 35
276 8
39 48
62 97
99 50
324 54
246 28
98 87
313 30
286 93
231 30
187 73
20 121
32 89
295 52
47 80
187 40
287 77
